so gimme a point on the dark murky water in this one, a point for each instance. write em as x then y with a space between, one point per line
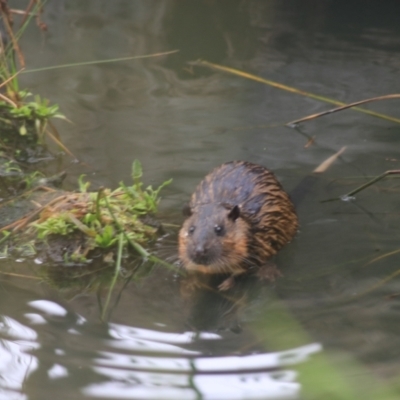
163 339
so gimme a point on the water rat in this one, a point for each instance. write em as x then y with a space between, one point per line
238 217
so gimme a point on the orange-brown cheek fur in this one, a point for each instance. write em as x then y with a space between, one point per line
233 252
182 245
235 245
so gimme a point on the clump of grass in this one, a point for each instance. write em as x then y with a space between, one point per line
30 115
24 118
101 215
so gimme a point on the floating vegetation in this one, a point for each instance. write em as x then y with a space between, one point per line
91 220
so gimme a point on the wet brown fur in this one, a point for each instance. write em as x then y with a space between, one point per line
266 222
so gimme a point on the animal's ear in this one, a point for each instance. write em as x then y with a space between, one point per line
234 213
186 210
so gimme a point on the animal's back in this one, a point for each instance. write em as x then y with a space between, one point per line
231 183
262 201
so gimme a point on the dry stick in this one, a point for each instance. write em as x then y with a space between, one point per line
333 110
5 11
27 12
348 196
25 194
41 25
256 78
16 225
28 217
21 12
5 98
378 178
329 161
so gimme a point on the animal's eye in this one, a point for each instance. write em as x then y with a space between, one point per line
219 230
191 230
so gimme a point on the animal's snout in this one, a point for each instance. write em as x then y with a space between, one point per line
200 250
201 254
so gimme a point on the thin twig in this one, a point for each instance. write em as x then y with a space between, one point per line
349 195
7 21
8 100
202 63
16 225
27 12
378 178
100 61
345 107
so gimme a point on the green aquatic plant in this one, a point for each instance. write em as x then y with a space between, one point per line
35 113
101 215
146 200
58 224
83 186
106 238
24 118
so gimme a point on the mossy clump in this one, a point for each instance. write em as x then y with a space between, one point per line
95 217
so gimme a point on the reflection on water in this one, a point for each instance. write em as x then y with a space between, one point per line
16 362
340 281
133 362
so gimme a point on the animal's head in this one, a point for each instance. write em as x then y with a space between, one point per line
213 239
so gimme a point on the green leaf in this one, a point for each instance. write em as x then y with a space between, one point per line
106 238
83 186
137 171
168 182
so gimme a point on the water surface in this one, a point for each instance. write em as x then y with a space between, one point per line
161 338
